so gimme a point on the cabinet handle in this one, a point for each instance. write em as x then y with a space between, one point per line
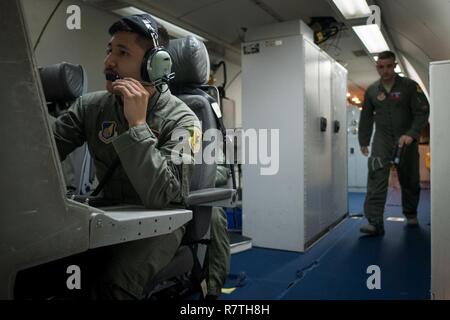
323 124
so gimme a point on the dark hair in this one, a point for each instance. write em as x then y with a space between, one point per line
144 42
386 55
163 36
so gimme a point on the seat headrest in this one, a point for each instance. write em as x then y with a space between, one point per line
62 82
190 61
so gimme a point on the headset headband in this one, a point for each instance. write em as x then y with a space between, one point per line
151 31
144 25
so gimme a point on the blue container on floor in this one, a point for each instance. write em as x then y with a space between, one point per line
234 218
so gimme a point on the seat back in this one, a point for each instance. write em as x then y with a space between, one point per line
62 83
191 66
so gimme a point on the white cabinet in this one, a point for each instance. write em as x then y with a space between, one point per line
290 85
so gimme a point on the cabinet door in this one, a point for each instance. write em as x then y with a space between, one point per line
324 151
339 141
353 145
312 143
357 163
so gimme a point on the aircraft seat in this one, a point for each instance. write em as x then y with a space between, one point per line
191 67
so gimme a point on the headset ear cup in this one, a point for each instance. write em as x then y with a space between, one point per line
159 64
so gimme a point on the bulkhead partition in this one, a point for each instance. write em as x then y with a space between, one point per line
37 223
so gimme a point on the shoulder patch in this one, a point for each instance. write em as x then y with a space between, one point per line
108 132
195 140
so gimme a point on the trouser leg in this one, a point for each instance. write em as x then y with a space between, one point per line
128 267
218 257
377 185
409 178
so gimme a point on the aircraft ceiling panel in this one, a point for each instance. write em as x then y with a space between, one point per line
225 19
180 8
423 23
300 9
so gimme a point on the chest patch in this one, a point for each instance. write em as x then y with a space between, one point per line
108 131
396 96
381 96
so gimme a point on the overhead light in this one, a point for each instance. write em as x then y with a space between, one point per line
401 74
352 9
348 94
372 38
173 30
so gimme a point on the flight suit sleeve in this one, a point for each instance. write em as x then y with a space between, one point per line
366 122
155 176
68 129
420 109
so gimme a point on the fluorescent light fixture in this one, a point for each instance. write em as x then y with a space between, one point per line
173 30
372 38
352 9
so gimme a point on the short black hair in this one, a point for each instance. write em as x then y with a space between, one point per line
163 36
143 39
386 55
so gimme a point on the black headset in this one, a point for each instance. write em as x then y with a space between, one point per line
157 64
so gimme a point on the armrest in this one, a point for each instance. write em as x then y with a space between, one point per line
118 224
212 197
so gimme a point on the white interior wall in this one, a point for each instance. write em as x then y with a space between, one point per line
440 183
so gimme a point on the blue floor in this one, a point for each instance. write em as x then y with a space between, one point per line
336 266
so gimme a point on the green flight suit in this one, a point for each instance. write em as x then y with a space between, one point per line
402 111
146 176
218 259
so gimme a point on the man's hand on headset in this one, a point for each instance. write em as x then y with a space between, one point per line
135 100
